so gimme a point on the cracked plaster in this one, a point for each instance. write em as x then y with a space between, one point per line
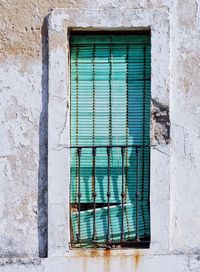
23 122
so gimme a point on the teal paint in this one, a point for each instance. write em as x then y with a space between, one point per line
110 104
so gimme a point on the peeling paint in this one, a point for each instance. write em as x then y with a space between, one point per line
22 37
24 138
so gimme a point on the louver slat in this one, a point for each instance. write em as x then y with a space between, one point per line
115 221
110 105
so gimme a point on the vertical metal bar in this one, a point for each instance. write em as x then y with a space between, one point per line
93 96
122 195
79 193
94 194
110 96
108 193
77 92
94 149
110 137
143 137
77 112
137 149
127 115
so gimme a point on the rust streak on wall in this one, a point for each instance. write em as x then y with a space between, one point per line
137 258
107 256
95 253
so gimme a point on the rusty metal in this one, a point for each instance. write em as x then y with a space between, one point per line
122 195
108 193
94 195
79 194
123 242
119 244
137 150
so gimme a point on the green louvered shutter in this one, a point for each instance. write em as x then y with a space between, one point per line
110 105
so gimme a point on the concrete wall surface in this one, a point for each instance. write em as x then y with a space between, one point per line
34 125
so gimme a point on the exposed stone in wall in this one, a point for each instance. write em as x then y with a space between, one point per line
160 123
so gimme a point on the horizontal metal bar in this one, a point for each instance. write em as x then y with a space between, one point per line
135 243
132 244
110 146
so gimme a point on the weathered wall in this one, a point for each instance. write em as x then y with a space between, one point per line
23 130
185 101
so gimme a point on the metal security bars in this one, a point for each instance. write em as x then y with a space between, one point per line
126 234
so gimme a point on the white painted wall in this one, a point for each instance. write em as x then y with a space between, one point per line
24 115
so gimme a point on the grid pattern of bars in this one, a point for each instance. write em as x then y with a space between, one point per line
110 107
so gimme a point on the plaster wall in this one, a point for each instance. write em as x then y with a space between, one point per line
24 125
